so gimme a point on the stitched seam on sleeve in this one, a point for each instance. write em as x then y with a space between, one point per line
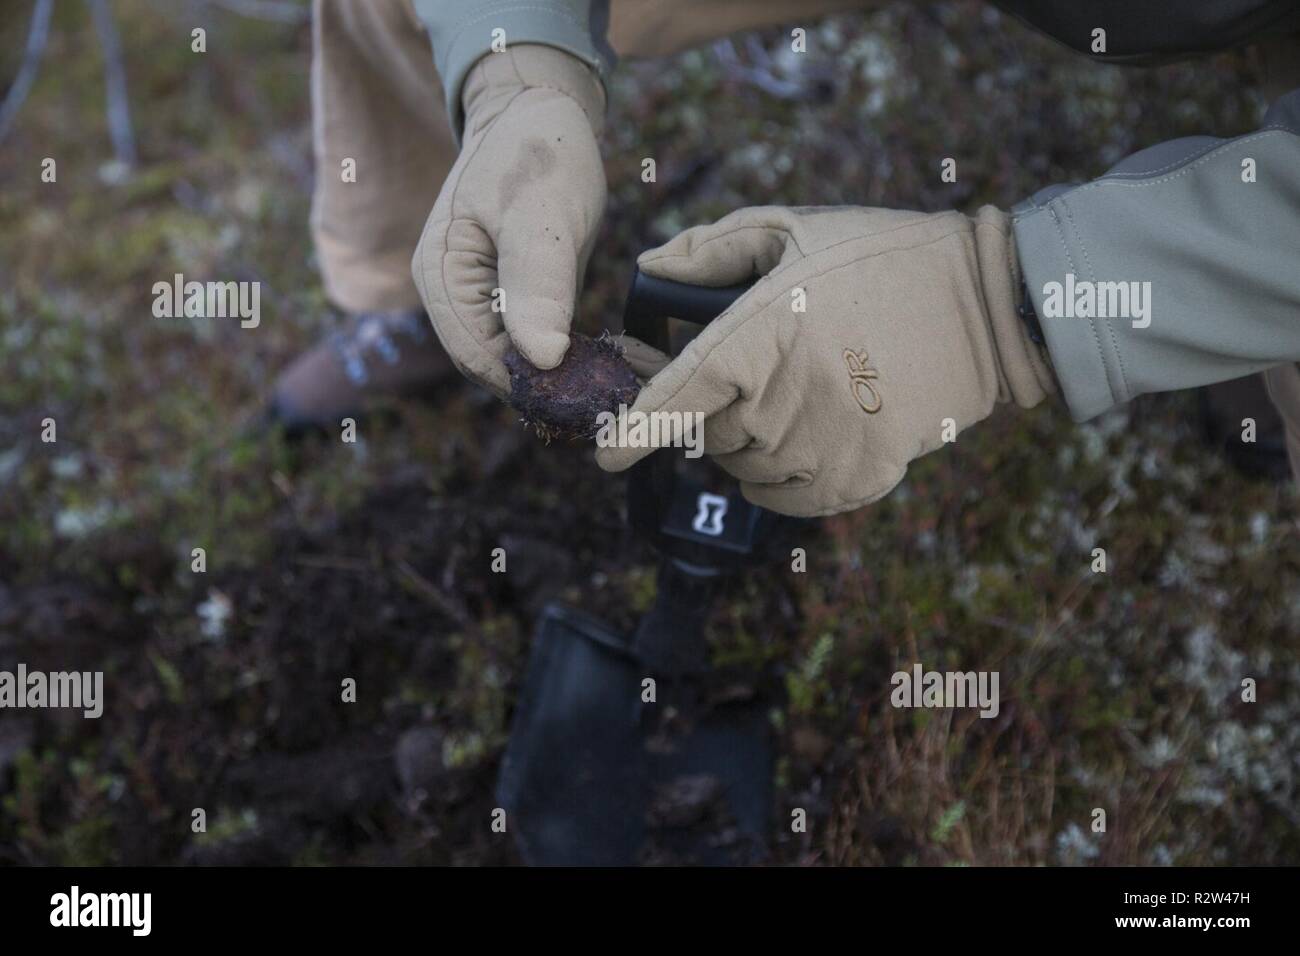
1190 157
1110 328
1104 181
1115 181
1092 323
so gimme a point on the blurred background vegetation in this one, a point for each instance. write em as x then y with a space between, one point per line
371 561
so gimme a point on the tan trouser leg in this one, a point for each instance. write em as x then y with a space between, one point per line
376 99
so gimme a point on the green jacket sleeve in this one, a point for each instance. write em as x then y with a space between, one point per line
1180 267
462 31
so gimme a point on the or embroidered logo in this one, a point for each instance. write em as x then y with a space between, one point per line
861 375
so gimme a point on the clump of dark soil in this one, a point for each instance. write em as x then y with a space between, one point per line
565 401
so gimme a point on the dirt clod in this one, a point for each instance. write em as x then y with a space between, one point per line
563 402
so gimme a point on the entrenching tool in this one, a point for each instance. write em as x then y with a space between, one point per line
617 755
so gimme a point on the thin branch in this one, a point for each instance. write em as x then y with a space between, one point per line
37 35
118 103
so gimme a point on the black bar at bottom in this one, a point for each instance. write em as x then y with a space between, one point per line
440 906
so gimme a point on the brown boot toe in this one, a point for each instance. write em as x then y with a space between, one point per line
376 356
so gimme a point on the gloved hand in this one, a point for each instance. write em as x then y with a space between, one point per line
910 320
518 212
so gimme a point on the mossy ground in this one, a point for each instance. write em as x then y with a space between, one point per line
372 561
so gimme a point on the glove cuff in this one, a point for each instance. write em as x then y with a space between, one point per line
1025 374
498 77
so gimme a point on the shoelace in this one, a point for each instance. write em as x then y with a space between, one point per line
375 332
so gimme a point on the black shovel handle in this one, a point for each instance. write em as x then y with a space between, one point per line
651 300
670 637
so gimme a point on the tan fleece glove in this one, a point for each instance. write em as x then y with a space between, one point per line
518 213
910 321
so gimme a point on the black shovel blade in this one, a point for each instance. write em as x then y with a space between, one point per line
711 796
573 779
589 778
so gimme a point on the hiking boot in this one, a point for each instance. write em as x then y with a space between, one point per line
376 355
